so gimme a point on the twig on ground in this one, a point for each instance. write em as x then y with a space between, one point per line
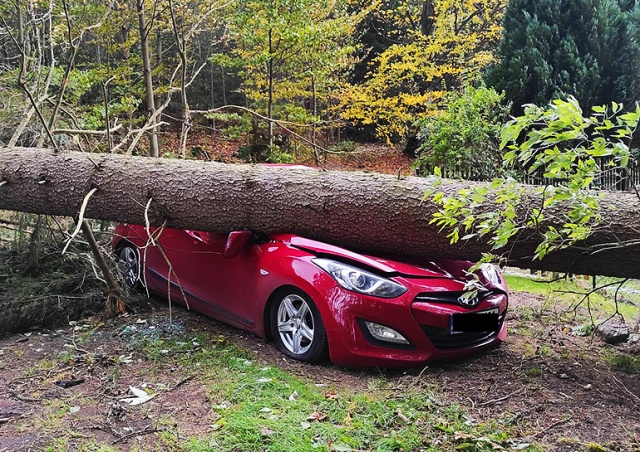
148 430
25 398
549 427
182 382
501 399
624 388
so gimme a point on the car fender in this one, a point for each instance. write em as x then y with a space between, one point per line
291 267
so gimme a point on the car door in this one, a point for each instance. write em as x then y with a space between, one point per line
215 285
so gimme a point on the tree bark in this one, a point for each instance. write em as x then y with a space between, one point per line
178 34
154 149
367 212
270 83
427 23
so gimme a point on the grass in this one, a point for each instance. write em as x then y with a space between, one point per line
626 363
566 298
50 420
265 408
257 408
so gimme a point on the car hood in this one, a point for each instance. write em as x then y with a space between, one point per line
386 266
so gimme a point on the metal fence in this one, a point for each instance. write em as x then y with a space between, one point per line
610 176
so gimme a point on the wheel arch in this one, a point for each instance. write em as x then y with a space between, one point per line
266 313
322 351
121 243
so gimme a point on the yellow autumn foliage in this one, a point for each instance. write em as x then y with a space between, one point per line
409 79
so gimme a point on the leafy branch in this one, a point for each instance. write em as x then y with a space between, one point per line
572 150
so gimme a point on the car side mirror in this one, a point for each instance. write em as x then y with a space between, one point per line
236 241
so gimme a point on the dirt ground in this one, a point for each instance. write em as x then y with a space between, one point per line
557 389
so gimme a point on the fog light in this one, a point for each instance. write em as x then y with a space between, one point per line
384 333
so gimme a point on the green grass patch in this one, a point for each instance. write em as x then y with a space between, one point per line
567 298
626 363
257 407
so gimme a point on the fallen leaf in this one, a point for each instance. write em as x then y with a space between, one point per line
219 424
305 425
461 435
293 396
125 359
141 396
266 431
341 447
331 395
318 417
69 383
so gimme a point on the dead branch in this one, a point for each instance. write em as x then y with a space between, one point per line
86 132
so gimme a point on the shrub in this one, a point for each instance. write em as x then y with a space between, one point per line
464 138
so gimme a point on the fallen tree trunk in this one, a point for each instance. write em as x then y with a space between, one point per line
368 212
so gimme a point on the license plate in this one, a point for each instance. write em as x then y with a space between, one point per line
474 321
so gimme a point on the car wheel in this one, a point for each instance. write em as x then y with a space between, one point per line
297 327
130 265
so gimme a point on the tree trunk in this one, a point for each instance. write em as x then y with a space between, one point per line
270 100
178 34
148 80
367 212
427 22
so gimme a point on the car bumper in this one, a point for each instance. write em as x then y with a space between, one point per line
425 325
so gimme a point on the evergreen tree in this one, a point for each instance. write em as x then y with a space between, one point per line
553 48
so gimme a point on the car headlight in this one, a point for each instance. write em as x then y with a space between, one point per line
492 273
361 281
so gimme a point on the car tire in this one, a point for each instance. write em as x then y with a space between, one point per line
297 327
129 258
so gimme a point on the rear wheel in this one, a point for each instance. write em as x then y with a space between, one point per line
297 327
130 265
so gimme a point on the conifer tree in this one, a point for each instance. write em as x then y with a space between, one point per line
553 48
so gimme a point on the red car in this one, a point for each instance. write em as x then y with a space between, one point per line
318 301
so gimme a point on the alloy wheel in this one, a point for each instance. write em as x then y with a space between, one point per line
296 325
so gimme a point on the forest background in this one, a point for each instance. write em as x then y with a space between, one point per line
295 80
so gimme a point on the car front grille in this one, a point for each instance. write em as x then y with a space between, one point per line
442 339
448 297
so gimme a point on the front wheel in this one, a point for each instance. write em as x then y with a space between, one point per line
297 327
